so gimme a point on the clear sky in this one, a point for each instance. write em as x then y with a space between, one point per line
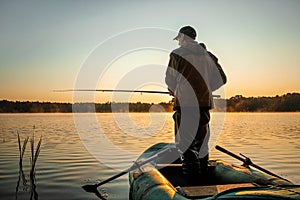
43 44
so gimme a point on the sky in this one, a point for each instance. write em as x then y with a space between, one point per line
46 45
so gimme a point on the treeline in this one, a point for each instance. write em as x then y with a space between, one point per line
33 107
48 107
289 102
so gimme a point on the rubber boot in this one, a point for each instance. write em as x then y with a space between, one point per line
191 167
204 169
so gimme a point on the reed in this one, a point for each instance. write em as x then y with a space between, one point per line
22 149
34 153
33 160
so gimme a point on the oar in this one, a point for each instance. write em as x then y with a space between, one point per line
136 165
104 90
247 161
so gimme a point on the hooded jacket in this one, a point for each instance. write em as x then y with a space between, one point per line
189 75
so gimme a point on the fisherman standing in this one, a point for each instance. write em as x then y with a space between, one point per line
191 77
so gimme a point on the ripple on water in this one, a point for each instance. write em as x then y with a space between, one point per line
271 140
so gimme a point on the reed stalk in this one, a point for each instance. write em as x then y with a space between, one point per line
22 148
32 146
34 154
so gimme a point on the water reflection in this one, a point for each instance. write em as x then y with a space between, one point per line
33 193
22 179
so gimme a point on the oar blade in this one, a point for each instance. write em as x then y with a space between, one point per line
93 188
90 188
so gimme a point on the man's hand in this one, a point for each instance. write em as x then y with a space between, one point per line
171 93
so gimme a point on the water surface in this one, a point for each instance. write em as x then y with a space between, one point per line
64 164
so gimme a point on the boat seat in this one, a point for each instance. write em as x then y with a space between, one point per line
209 190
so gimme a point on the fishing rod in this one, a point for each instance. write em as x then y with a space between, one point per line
104 90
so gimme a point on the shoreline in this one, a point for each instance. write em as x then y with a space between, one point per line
286 103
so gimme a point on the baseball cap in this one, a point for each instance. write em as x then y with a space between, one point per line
187 30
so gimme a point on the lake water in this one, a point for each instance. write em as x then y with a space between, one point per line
64 164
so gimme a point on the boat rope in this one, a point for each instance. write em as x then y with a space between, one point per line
269 183
286 189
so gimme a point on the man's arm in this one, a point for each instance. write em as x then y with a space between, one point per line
215 59
171 72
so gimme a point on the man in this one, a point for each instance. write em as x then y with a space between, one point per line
190 76
215 59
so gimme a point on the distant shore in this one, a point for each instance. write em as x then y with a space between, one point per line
289 102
